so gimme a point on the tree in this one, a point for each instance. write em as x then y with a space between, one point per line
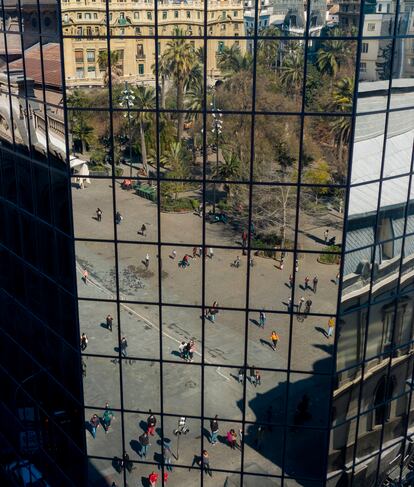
231 60
291 74
176 159
331 56
341 131
343 93
383 67
82 132
228 170
145 100
116 68
318 173
180 58
163 73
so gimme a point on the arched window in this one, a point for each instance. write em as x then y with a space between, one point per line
383 394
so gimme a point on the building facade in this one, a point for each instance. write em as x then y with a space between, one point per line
207 243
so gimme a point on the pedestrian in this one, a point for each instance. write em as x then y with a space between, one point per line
214 427
315 284
291 281
167 455
165 477
83 341
212 312
275 338
308 306
300 304
200 251
281 265
95 423
200 209
109 321
194 252
83 368
173 254
189 351
296 265
184 262
252 372
331 325
232 439
211 252
236 263
106 419
262 319
241 376
151 423
306 282
181 349
126 462
85 276
147 260
98 214
143 230
289 304
258 378
145 443
123 347
337 278
205 463
118 218
259 437
244 239
153 479
251 262
326 235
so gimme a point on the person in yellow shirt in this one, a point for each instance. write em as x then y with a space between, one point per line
275 338
331 326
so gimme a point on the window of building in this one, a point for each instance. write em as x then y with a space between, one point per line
149 15
223 27
411 61
138 31
363 67
90 56
365 47
89 31
223 14
370 27
122 31
140 51
95 15
79 16
388 8
79 56
88 16
176 14
236 26
136 15
188 14
220 47
122 15
66 18
91 72
198 14
80 73
151 31
140 69
164 14
380 7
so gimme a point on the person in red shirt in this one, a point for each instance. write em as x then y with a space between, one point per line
153 478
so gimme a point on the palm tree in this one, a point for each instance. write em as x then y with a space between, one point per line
231 59
116 68
180 58
83 132
228 170
163 73
342 95
331 56
341 131
144 100
291 73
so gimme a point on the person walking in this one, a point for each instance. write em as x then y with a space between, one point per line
281 265
331 326
291 281
118 218
153 479
301 301
147 261
296 265
306 282
109 321
289 304
151 423
211 252
337 278
98 214
173 254
189 351
326 235
214 428
123 347
85 276
95 423
262 319
167 455
83 341
181 348
205 463
258 378
232 439
194 252
275 339
145 443
308 306
236 263
258 441
241 376
106 419
143 230
252 373
315 284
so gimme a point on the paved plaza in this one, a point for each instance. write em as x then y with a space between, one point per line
223 346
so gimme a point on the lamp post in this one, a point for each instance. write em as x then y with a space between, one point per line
217 130
127 101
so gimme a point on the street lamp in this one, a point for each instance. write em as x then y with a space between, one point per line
217 130
127 101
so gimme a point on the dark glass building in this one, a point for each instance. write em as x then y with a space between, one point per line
207 214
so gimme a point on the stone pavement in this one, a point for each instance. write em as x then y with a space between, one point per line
223 345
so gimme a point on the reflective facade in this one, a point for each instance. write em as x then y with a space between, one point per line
221 213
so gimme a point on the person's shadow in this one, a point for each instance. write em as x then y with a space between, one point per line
145 482
135 446
321 330
88 427
143 425
265 342
255 322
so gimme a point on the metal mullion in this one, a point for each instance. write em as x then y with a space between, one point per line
203 230
159 246
115 243
295 249
249 236
374 252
